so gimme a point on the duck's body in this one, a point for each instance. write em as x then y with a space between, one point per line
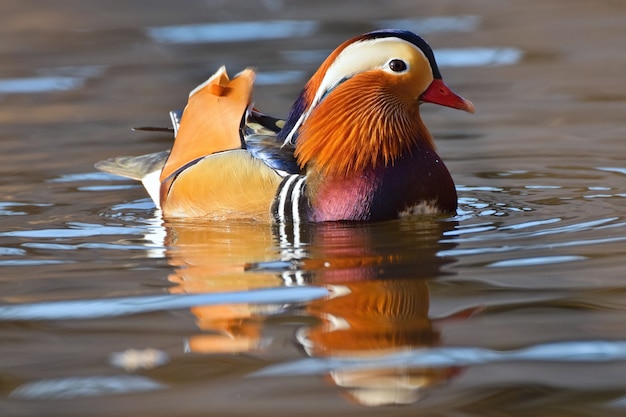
352 148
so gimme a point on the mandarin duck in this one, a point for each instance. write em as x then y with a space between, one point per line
352 148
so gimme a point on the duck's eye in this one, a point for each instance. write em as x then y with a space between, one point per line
397 65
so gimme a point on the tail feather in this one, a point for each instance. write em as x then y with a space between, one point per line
144 168
134 167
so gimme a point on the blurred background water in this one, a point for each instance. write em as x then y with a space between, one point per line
515 306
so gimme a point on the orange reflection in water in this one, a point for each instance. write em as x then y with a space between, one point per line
380 306
371 319
377 275
209 258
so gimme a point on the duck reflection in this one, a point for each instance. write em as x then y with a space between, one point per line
208 258
379 305
373 319
377 275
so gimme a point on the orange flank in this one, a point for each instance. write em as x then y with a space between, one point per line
225 185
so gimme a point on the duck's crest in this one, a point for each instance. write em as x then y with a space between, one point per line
411 38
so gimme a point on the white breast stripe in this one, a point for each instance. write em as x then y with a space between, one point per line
293 278
282 197
296 194
295 200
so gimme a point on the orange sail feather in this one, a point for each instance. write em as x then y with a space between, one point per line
211 119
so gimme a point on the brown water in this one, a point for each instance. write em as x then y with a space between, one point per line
513 307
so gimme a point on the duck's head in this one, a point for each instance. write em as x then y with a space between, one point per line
361 107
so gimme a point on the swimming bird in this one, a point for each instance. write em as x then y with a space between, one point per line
352 148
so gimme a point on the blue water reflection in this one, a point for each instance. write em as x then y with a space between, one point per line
567 351
232 31
433 24
39 84
280 29
477 57
115 307
90 386
265 30
51 80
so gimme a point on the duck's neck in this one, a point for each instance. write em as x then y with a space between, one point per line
415 183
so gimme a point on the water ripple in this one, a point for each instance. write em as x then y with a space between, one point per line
577 227
534 261
32 262
509 248
233 31
57 79
478 57
39 84
87 176
434 24
279 77
612 169
114 307
533 223
445 357
75 229
13 208
90 386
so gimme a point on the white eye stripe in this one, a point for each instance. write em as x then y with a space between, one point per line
363 56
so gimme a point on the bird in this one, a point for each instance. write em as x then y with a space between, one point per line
353 146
